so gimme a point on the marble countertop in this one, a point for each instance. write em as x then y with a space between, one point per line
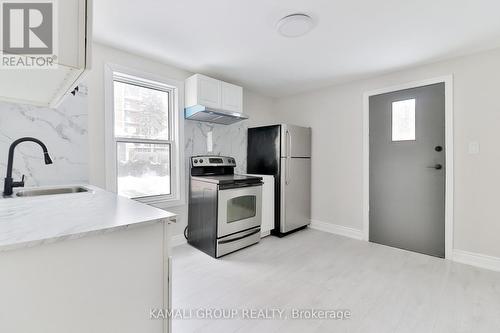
32 221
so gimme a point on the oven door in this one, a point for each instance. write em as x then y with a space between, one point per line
239 209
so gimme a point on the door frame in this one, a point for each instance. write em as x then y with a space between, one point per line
449 180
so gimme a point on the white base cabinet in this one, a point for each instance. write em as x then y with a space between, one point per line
267 204
101 283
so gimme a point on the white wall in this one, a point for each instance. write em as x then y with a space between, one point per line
227 139
335 114
261 109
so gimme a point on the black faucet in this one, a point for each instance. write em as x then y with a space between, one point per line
9 182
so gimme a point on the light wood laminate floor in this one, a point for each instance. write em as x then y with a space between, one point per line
386 289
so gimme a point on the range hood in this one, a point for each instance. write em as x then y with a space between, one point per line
203 113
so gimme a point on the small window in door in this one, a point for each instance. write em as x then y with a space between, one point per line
403 120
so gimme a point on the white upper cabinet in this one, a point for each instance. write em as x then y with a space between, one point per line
209 91
203 90
47 86
232 97
212 93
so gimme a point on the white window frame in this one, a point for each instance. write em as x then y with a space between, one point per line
176 141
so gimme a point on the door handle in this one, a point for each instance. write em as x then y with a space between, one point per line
289 144
287 171
256 231
436 166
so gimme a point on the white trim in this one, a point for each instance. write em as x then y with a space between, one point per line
337 229
177 168
265 233
448 81
178 240
476 259
167 274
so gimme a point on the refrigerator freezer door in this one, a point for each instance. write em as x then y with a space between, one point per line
264 150
295 141
295 193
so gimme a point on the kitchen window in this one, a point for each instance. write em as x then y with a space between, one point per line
144 156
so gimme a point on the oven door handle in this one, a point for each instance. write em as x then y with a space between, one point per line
240 237
235 186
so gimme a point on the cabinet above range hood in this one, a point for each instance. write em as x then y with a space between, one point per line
213 101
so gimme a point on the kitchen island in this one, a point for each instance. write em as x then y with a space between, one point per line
82 262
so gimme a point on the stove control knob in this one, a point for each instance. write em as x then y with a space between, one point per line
201 160
195 161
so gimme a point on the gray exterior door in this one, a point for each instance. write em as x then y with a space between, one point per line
407 169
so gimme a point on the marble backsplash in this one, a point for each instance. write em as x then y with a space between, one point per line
228 140
64 132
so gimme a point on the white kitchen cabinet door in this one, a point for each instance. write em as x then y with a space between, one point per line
203 90
72 28
232 97
47 87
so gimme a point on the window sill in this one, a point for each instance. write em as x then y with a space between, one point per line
161 203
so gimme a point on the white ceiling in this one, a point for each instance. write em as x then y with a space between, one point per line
236 40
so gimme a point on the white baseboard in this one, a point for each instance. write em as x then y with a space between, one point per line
337 229
178 240
476 259
460 256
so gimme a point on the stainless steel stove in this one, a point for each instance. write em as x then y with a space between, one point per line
225 210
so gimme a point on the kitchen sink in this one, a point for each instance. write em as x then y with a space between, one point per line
52 191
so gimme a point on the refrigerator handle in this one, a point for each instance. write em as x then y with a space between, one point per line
289 144
288 157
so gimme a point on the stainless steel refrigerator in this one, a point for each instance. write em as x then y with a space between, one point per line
284 151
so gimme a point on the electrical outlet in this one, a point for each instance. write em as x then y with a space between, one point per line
474 147
210 144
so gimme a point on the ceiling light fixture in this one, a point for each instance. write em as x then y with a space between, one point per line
295 25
